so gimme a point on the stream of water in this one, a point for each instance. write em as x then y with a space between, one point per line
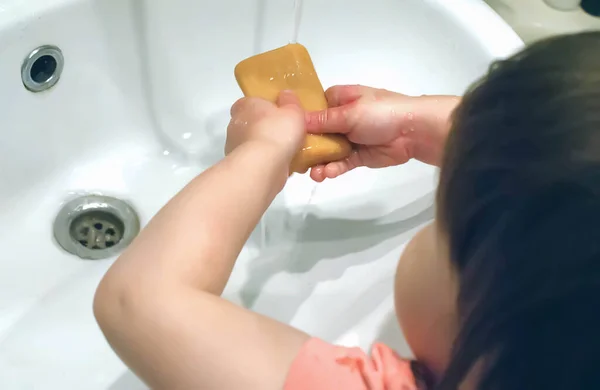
263 225
296 20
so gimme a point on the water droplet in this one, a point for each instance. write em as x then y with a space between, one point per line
186 135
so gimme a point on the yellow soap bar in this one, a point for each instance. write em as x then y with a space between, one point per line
291 68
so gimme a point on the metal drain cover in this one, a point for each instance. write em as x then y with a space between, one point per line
95 227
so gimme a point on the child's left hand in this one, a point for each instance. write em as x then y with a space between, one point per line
280 126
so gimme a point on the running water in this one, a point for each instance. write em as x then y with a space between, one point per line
283 233
263 228
308 203
300 226
296 21
263 233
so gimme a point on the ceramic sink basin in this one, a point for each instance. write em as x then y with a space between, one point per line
141 107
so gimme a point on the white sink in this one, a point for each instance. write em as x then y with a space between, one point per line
141 108
535 19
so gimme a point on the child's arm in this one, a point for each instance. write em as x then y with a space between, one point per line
159 304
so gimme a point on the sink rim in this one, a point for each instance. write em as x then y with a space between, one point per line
481 21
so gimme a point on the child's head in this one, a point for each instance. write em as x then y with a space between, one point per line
503 290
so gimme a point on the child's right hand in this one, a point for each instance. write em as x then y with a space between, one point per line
388 128
279 125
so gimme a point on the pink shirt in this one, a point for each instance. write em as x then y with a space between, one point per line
322 366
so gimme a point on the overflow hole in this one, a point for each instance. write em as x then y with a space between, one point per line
43 69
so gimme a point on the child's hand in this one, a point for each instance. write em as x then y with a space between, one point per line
280 125
388 128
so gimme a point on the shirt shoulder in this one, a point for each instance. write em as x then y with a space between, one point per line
323 366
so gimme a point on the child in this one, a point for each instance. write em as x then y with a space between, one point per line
501 292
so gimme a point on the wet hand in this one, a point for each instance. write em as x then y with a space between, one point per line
279 126
387 128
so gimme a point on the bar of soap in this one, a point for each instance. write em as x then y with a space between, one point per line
291 68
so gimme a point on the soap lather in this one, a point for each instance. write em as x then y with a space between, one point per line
291 68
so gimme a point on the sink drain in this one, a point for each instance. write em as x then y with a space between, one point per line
42 68
95 227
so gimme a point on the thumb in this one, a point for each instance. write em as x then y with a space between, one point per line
288 98
331 120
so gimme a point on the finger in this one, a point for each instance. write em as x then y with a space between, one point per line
339 95
317 173
336 168
249 104
342 100
331 120
288 99
237 106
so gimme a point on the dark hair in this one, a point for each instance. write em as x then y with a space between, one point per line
519 201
